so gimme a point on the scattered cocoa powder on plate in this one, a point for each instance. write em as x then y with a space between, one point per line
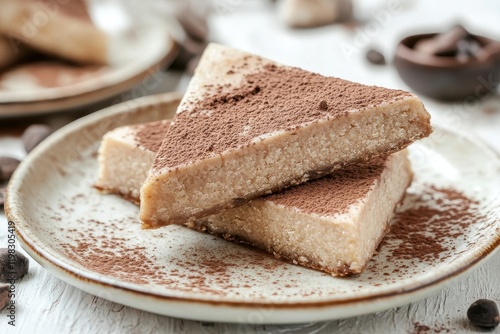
425 232
423 229
419 328
116 257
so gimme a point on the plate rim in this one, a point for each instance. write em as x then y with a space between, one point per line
415 291
83 99
350 308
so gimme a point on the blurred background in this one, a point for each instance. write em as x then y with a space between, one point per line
61 60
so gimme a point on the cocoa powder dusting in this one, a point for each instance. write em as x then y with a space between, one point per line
423 230
108 254
273 98
150 135
111 259
321 196
193 268
419 328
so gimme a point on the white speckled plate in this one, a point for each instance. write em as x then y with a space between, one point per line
94 241
51 85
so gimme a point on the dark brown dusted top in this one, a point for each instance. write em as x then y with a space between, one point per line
271 99
150 135
335 193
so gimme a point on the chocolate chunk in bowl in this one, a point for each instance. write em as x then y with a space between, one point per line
450 69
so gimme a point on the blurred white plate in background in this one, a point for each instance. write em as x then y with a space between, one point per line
138 50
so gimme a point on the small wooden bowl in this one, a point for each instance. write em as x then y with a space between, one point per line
447 78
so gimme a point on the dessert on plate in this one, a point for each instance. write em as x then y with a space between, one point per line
126 155
61 28
248 127
333 224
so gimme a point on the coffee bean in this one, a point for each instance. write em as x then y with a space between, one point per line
375 57
4 295
13 265
7 166
34 135
484 313
2 196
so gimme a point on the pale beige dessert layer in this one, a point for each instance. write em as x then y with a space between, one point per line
332 224
126 155
248 126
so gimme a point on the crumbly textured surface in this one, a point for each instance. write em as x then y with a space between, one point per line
248 127
332 224
275 99
126 155
338 240
332 194
150 135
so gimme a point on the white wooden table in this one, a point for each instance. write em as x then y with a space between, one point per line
46 304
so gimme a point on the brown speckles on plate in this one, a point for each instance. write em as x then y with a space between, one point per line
430 228
95 241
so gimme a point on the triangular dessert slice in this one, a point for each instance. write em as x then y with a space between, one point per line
126 155
332 224
248 126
